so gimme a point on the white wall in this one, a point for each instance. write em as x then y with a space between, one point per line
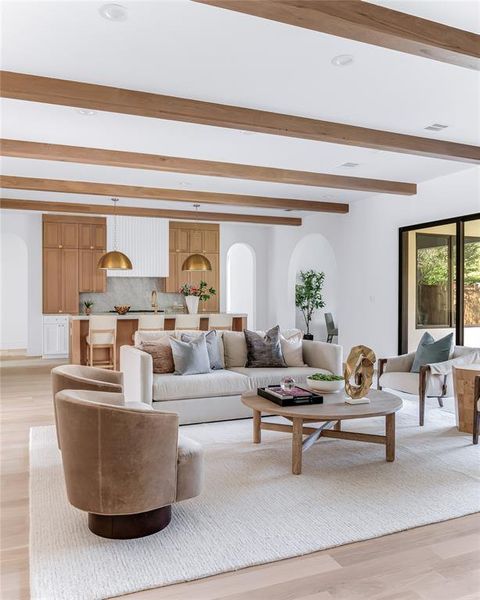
22 293
258 238
367 253
241 284
14 290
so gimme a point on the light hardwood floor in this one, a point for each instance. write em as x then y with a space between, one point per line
436 562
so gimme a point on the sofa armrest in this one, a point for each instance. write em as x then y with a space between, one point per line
398 364
321 355
137 368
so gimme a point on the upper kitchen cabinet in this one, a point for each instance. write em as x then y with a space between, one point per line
72 247
145 241
58 234
92 236
194 238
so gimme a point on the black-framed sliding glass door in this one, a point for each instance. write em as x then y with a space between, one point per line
439 282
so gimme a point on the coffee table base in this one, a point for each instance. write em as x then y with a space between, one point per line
298 429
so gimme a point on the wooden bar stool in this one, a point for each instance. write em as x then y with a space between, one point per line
151 322
220 321
102 334
187 322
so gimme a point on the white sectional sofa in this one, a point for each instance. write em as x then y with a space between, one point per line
214 396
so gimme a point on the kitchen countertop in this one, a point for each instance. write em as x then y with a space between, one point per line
135 315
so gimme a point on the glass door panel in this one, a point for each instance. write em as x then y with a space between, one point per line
471 283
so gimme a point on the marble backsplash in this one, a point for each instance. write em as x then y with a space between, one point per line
134 291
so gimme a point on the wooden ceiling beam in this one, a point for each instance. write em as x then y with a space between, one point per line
369 23
134 211
150 193
175 164
99 97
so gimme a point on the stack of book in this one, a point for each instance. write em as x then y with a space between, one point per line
292 397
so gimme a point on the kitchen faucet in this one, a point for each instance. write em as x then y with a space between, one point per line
153 301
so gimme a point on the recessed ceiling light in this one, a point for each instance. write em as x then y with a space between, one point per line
86 112
342 60
350 165
113 12
436 127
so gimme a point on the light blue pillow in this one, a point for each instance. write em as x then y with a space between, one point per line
190 358
213 348
430 351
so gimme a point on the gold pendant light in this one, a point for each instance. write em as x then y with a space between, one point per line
114 259
196 262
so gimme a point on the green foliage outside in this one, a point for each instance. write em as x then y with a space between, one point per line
433 267
308 294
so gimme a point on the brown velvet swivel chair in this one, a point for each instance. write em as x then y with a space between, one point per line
78 377
124 465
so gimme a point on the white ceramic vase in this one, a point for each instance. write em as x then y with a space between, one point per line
192 304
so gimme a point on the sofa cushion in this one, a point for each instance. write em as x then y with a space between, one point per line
161 353
264 350
292 348
259 377
431 351
213 347
205 385
190 358
235 348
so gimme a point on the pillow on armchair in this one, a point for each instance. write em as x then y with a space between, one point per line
264 351
431 351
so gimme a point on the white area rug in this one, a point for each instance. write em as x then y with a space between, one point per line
253 510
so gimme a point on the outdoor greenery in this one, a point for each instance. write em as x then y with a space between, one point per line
433 265
308 294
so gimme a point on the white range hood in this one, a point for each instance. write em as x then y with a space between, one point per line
145 241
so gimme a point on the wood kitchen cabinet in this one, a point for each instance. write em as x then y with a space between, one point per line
90 278
60 280
72 247
194 238
60 235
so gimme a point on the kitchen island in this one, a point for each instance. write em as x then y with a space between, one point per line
126 326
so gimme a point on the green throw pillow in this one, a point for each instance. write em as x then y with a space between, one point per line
430 351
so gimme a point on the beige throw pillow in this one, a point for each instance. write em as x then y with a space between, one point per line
292 348
235 348
161 353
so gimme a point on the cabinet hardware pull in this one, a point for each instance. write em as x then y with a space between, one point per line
60 246
91 247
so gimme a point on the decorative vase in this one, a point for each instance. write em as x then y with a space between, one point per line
308 336
88 311
192 304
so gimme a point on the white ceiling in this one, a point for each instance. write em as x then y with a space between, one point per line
182 48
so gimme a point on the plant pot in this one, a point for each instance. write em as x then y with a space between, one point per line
327 387
88 311
192 304
308 336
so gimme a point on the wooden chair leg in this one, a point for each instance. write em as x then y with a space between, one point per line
440 402
476 426
422 390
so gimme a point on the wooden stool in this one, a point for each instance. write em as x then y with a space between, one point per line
187 322
220 322
102 334
151 322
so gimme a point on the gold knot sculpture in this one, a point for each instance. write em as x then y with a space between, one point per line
359 366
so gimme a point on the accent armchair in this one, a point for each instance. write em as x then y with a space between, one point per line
78 377
433 381
124 465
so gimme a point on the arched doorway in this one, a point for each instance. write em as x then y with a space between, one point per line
14 293
241 281
314 252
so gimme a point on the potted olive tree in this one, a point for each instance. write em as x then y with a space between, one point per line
308 296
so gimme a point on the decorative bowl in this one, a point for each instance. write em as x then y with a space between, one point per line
122 309
327 387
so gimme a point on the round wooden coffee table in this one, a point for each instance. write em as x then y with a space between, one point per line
331 413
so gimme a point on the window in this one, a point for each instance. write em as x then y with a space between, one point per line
435 268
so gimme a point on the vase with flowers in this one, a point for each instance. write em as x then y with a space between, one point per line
195 293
